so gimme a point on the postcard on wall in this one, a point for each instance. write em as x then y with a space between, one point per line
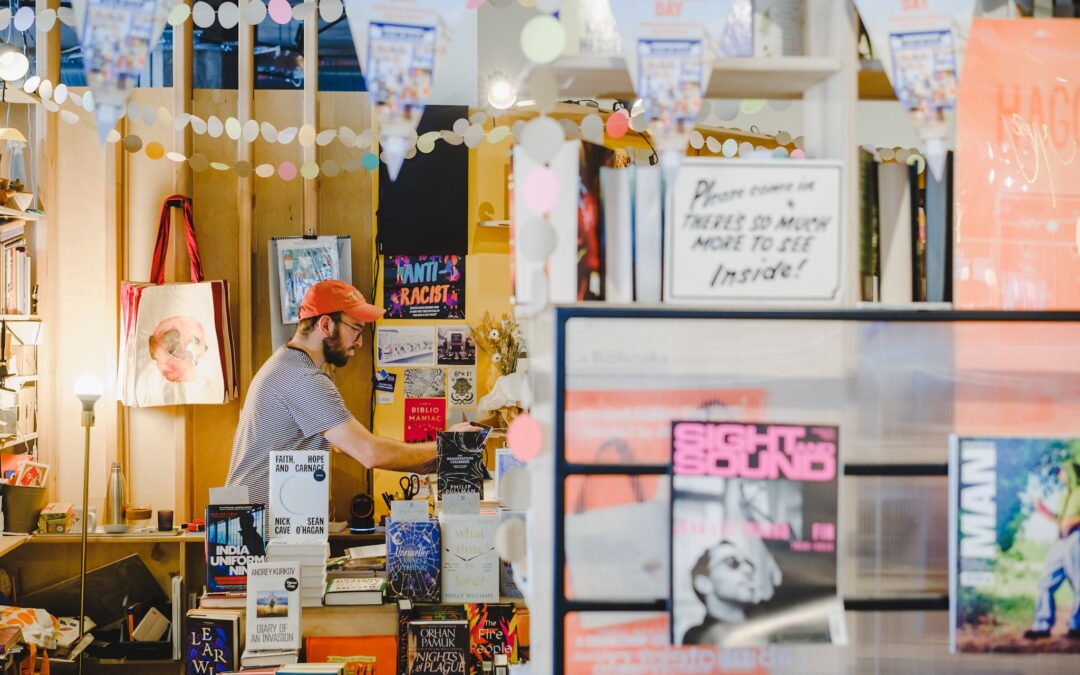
424 287
301 264
456 346
397 54
461 387
405 345
424 418
425 383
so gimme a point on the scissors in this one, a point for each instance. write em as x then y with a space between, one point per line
410 485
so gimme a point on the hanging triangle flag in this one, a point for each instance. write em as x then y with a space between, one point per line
670 48
116 39
399 44
921 48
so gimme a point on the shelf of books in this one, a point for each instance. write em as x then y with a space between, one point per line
839 487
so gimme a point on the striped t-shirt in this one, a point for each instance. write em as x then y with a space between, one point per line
289 404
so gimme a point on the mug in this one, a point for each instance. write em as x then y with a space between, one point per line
76 525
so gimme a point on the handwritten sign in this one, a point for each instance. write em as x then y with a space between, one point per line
743 230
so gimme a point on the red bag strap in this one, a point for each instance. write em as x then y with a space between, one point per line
161 248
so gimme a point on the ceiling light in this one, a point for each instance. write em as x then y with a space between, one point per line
501 92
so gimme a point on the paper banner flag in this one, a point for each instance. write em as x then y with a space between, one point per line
921 47
116 38
670 48
399 43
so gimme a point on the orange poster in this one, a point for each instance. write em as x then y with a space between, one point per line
1018 167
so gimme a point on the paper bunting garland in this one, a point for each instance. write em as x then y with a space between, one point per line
921 49
116 39
399 43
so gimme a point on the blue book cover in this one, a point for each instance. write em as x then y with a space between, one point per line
413 560
235 536
212 644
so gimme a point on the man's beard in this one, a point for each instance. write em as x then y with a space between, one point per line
335 353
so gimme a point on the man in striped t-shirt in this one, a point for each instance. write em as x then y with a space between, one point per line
292 404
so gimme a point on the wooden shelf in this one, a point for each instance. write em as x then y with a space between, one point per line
20 317
874 84
102 538
772 78
10 542
25 438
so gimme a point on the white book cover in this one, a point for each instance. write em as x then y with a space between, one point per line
617 198
273 606
894 215
648 233
299 496
470 565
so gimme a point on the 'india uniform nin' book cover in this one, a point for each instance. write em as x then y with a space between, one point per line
1014 544
753 512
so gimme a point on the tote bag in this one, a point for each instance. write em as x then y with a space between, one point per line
176 340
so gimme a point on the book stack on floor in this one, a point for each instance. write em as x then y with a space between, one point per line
312 559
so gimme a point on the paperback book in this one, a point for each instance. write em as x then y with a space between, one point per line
754 513
299 496
493 629
213 642
1014 542
438 647
470 565
273 606
410 612
413 568
235 538
460 461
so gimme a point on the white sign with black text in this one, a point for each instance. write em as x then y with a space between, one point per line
754 230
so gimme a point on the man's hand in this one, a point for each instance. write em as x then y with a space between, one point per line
464 426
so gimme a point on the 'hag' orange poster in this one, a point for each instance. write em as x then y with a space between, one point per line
1018 167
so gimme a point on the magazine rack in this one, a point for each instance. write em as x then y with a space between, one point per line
897 383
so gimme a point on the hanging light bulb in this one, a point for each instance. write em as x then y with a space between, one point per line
501 92
13 63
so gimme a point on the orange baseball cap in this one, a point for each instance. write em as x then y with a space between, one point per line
332 295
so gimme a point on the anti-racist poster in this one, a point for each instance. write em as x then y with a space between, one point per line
921 47
754 231
401 42
456 346
405 345
301 264
424 287
117 36
424 418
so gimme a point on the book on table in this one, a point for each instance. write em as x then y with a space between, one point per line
355 591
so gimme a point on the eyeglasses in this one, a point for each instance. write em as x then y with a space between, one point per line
358 330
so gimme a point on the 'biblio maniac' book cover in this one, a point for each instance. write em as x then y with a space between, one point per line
235 536
754 534
1014 542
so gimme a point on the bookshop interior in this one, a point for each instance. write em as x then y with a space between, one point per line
385 337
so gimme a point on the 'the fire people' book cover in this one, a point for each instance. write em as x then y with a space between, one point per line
754 532
1014 544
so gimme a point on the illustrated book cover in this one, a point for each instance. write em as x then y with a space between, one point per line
413 561
273 606
438 647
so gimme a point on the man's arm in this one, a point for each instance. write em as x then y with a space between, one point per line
375 452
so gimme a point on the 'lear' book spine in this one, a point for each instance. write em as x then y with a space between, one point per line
413 561
211 645
235 537
1014 542
754 523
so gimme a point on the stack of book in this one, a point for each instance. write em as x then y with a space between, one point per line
312 559
222 600
214 640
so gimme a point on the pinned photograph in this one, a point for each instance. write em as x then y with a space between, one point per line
456 346
425 383
462 387
405 345
302 263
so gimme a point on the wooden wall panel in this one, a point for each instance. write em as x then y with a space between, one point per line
345 207
216 208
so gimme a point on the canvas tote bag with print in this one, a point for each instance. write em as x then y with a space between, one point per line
176 340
